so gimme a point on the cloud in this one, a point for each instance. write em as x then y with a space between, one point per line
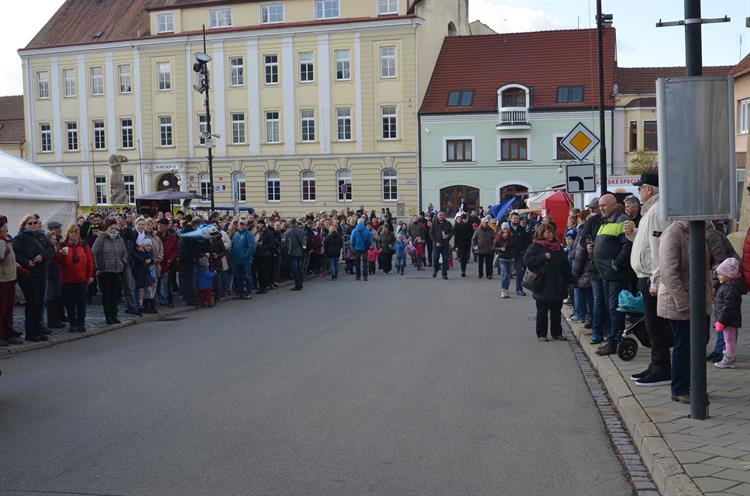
504 17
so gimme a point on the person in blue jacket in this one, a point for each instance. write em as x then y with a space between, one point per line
361 239
241 252
399 248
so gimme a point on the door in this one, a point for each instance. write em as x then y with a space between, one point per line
452 197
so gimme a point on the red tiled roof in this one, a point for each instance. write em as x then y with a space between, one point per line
649 101
542 61
741 68
642 80
11 119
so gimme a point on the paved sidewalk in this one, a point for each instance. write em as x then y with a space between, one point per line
685 456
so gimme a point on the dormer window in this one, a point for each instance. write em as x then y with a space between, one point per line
513 102
220 18
569 94
514 96
165 23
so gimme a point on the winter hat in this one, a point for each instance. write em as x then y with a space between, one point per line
144 242
729 267
203 262
361 221
504 225
571 233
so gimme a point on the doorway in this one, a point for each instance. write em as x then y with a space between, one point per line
452 197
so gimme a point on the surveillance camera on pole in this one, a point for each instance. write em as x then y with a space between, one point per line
200 67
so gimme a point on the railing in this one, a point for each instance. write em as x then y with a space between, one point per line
515 116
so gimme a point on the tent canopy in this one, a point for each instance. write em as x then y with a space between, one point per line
167 196
558 206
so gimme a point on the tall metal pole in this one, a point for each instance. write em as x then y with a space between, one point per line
208 130
602 131
697 242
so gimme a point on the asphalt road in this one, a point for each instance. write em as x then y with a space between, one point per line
404 385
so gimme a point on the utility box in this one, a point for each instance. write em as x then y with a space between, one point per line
695 120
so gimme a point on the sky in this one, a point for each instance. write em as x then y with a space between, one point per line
639 42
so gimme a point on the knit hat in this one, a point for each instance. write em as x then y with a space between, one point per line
571 233
53 224
504 225
203 262
729 267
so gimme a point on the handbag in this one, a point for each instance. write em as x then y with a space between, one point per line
532 280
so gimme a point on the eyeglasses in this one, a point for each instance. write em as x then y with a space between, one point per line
32 223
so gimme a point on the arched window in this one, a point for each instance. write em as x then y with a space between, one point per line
514 96
451 29
238 187
205 186
273 187
344 184
390 185
308 186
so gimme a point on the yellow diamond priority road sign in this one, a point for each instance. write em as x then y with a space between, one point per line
580 141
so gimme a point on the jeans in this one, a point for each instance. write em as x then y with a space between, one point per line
333 266
75 303
506 267
600 312
680 357
361 264
226 278
163 291
295 266
400 263
243 279
445 250
463 258
520 272
485 262
554 309
582 302
720 343
616 319
128 289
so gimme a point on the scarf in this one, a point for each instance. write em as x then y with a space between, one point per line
73 246
552 246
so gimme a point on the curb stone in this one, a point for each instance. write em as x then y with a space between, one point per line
666 471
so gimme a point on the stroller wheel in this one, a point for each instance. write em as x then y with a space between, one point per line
627 349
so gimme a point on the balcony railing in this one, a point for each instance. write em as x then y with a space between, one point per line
513 117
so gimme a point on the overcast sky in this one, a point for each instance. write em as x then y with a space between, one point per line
639 42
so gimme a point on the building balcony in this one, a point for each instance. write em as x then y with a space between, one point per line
513 118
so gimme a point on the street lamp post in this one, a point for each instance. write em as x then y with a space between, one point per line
202 86
600 20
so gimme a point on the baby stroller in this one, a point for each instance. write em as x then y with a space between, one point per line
632 305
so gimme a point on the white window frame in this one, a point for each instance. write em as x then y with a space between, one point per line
307 177
42 78
100 134
69 83
554 147
343 64
124 75
344 176
394 124
239 128
390 178
343 116
387 7
388 62
97 81
324 9
165 22
500 148
71 135
202 128
273 177
218 18
236 71
273 126
45 137
307 125
166 131
204 183
446 139
744 116
239 187
268 16
272 66
129 182
306 62
126 130
100 190
512 86
164 77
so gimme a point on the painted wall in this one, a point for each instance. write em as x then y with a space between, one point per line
741 92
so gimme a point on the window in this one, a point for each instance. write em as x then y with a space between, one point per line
205 186
69 79
45 129
308 125
306 67
100 143
387 7
388 62
101 189
271 13
388 116
238 187
514 97
514 148
633 135
238 128
129 181
326 9
236 71
458 150
344 183
344 124
458 98
561 153
165 131
649 136
202 128
220 18
273 134
126 132
97 81
271 63
743 113
164 76
72 130
124 72
165 23
43 84
343 65
308 186
569 94
390 185
273 187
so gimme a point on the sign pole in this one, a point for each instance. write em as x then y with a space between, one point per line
602 133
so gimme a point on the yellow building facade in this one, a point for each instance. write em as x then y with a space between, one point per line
313 102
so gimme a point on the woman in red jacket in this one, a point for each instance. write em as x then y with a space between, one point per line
76 273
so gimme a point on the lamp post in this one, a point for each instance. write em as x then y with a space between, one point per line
600 20
201 69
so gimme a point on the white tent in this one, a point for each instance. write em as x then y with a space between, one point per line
27 188
534 201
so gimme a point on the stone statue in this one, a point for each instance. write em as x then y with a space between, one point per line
118 195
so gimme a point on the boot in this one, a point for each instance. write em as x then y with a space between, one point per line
148 306
108 318
154 305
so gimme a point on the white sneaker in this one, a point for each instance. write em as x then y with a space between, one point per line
726 364
504 293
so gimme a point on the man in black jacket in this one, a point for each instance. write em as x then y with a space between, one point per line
263 261
523 240
463 233
441 233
